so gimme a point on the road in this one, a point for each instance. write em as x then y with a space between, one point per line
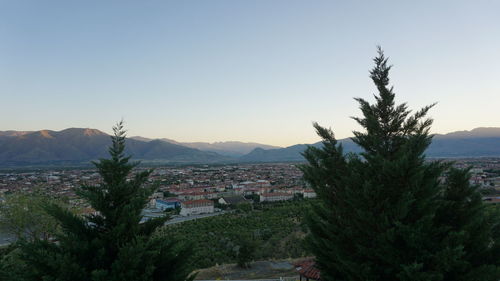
178 219
6 239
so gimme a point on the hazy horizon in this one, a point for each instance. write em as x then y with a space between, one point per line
109 132
251 71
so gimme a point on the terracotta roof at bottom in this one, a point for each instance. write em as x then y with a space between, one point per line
307 269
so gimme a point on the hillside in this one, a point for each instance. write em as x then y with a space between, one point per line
277 229
77 146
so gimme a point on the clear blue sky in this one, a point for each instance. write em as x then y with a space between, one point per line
242 70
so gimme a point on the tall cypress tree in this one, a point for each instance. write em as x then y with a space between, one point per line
382 214
112 244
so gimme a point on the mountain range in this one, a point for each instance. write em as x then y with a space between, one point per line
479 142
226 148
79 146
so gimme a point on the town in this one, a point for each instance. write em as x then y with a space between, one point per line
195 190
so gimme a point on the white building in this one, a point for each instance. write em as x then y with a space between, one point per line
275 196
196 207
309 193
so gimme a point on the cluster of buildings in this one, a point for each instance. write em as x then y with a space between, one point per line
199 189
192 189
54 183
485 173
192 199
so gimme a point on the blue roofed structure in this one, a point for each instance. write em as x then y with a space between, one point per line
169 203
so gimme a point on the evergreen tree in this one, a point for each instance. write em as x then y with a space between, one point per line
11 266
112 244
384 214
473 228
245 250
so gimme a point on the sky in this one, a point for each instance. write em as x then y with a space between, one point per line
255 70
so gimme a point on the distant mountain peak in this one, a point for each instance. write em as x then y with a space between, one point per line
92 132
480 132
46 134
139 138
486 130
82 131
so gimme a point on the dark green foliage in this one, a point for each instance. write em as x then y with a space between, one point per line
11 266
24 216
113 244
276 229
245 249
244 207
254 197
383 214
473 229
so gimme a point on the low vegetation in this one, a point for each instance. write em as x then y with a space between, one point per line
268 231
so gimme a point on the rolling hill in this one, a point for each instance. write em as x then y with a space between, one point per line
77 145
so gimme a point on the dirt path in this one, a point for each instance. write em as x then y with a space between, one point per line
257 270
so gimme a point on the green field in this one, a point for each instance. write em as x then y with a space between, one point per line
276 231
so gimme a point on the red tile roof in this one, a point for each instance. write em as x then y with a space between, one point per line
307 269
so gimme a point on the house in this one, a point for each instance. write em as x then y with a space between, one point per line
252 190
195 207
307 270
309 193
294 190
491 200
169 203
191 196
275 196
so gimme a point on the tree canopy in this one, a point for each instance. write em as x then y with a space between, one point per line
23 215
387 213
113 243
